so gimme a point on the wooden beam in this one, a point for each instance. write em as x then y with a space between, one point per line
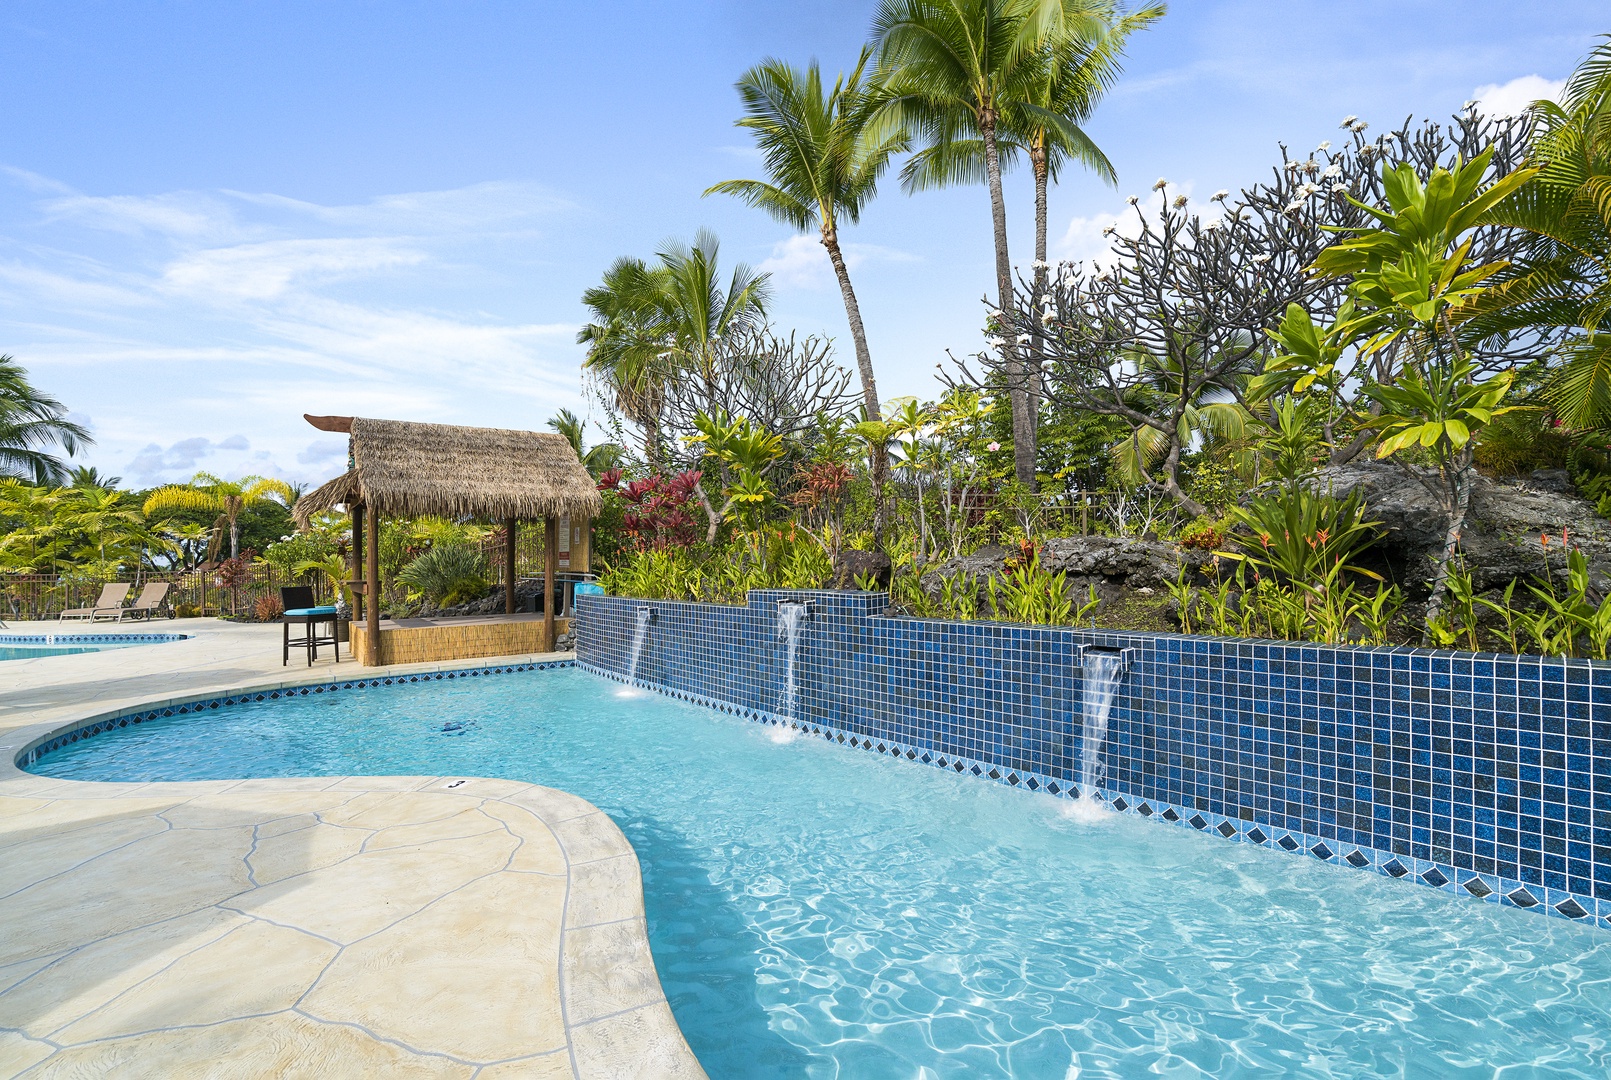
550 572
355 560
342 424
372 587
509 526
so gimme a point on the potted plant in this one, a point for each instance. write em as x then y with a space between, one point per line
334 570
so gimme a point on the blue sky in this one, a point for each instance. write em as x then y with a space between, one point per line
215 217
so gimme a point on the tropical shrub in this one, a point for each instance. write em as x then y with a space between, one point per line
267 608
448 574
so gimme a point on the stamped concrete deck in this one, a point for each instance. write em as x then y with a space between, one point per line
360 926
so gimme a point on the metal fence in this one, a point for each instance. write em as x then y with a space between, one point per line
196 592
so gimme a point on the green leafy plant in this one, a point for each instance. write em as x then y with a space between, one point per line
1300 535
447 574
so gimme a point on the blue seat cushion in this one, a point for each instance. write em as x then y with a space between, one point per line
331 610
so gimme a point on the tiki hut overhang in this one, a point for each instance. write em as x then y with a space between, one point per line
405 469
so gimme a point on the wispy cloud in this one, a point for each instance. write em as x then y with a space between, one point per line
802 262
247 295
267 270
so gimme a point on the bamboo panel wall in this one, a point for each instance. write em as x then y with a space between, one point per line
419 644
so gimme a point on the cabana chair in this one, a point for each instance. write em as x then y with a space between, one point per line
149 602
109 606
300 610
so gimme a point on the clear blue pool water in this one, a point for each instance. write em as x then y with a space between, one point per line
29 646
822 912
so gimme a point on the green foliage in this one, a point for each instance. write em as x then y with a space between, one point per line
448 574
1302 536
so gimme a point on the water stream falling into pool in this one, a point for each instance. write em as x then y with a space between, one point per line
790 616
645 616
1103 670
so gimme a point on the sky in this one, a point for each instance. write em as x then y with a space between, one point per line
215 217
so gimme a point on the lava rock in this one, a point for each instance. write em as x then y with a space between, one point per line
863 564
1501 536
1114 564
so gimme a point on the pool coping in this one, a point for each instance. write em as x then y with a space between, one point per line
603 939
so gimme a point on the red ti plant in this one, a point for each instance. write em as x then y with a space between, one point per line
657 512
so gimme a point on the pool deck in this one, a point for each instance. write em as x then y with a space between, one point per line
357 926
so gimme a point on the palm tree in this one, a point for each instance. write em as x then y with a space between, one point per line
595 461
696 311
29 422
628 346
1566 284
88 476
1081 62
823 158
951 70
210 494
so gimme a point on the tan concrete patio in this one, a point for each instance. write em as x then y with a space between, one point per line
392 926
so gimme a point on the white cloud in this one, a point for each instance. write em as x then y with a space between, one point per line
1084 239
185 216
477 207
264 271
1513 98
801 261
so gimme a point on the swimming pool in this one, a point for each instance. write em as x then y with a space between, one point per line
825 913
30 646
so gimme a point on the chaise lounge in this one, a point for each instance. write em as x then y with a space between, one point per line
109 605
150 602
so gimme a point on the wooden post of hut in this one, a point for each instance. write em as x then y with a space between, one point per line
509 567
372 586
550 572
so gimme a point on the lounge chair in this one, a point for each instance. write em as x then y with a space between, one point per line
109 606
150 601
298 603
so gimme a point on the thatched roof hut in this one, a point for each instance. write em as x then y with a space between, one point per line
403 469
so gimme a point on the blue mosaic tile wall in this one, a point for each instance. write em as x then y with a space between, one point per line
1484 775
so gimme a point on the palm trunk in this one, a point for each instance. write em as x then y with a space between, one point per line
234 538
1460 503
1042 169
1023 434
869 388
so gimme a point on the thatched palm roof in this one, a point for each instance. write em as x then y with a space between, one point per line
403 469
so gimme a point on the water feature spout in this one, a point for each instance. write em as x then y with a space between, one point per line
1103 668
791 615
646 615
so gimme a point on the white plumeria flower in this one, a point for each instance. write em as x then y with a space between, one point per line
1108 231
1339 189
994 342
1308 190
1160 184
1212 226
1041 264
1024 339
1356 128
1334 171
1260 260
1348 121
1220 196
1048 317
1132 200
1325 144
1294 207
1180 202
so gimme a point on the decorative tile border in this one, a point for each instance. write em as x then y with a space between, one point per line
88 639
56 740
1488 776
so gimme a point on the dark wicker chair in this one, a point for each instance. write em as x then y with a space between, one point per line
302 610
